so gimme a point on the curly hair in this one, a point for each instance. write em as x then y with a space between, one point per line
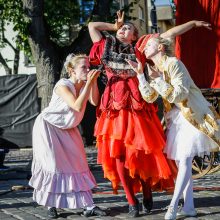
72 60
168 45
136 32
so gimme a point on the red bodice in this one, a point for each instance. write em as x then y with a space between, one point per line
121 91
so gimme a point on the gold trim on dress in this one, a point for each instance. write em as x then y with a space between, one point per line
168 92
167 105
208 118
187 113
166 76
215 113
151 97
184 103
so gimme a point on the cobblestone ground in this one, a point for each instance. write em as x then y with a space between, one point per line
18 204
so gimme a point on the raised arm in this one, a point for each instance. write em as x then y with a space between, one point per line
181 29
95 28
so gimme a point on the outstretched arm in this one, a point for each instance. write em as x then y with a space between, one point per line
180 29
95 28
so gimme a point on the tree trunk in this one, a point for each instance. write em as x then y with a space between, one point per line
45 52
8 70
16 61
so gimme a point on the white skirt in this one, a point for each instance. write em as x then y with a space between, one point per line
183 139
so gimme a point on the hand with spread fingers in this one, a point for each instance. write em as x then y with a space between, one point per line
137 67
153 72
120 20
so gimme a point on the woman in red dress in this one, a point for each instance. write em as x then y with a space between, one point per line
129 134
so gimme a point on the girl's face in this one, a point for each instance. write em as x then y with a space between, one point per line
81 69
126 33
151 48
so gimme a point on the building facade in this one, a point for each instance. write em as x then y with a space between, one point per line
150 16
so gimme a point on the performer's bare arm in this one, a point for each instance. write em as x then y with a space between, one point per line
94 94
96 27
180 29
74 102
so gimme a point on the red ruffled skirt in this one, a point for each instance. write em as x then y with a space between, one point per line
136 136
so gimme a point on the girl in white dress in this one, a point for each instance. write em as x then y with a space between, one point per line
60 174
193 126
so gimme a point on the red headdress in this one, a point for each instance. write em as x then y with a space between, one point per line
140 45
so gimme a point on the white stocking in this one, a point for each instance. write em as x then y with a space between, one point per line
183 182
188 196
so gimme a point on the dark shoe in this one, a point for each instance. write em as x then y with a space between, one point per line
52 213
147 205
96 211
134 210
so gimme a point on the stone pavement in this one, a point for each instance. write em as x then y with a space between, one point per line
18 204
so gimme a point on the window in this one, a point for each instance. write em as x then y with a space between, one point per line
86 7
122 3
140 13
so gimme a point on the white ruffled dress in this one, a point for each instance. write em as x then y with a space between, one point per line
183 139
60 174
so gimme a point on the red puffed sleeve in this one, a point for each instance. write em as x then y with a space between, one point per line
96 52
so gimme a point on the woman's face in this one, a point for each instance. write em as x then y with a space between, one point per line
151 48
126 33
81 69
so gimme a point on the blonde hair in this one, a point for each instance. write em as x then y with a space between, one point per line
72 60
168 45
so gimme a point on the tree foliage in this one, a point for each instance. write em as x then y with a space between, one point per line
58 14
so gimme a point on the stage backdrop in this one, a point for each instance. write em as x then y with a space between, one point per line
19 107
199 48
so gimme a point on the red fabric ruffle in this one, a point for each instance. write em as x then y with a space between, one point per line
138 138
